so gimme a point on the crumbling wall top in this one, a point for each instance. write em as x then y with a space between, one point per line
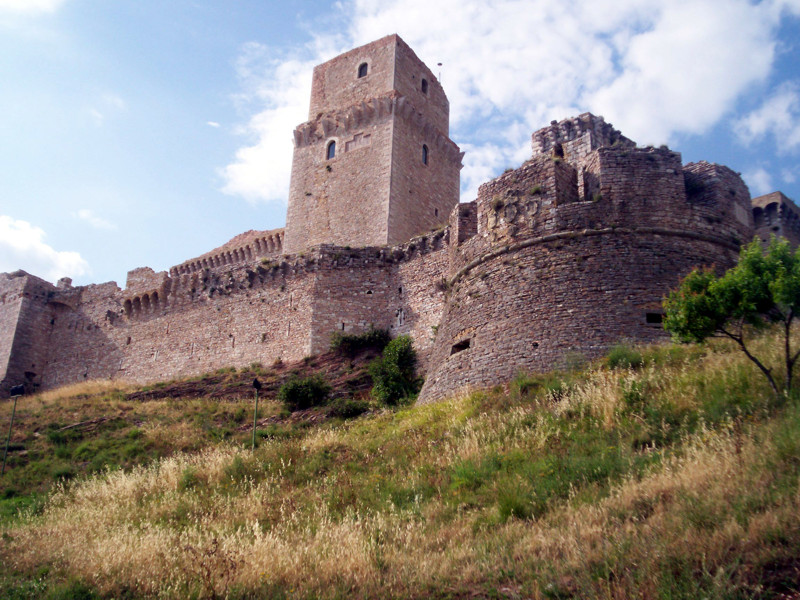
778 197
586 132
144 279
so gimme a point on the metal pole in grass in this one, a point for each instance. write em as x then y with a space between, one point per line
16 392
256 386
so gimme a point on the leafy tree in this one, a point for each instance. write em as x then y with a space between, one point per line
393 375
763 288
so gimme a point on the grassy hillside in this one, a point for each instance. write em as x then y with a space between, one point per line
666 472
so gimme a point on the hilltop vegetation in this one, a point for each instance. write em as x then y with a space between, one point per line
664 472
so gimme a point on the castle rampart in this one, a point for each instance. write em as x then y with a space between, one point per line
555 271
558 259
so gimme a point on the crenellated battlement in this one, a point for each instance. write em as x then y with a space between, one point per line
246 247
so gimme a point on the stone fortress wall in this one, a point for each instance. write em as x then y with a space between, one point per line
566 255
575 250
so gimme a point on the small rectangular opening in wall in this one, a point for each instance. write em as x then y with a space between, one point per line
460 346
653 318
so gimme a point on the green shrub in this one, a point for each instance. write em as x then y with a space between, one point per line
393 375
301 393
353 343
347 408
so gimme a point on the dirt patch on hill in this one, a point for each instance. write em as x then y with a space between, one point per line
347 376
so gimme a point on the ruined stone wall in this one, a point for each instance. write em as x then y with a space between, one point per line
574 138
421 293
336 84
84 340
394 288
719 201
25 323
546 304
414 80
550 275
325 195
424 180
204 323
775 214
12 302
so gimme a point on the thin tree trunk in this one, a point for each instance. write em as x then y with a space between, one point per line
767 372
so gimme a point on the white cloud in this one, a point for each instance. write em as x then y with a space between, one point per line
92 219
213 124
759 181
22 246
281 86
106 105
30 6
683 74
779 116
653 69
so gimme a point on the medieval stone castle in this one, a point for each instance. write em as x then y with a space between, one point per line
568 254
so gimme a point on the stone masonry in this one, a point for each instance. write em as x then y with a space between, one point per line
376 144
563 257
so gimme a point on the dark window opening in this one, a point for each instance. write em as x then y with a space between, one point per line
460 346
400 290
435 212
369 292
424 86
362 70
424 154
654 318
331 150
342 326
128 342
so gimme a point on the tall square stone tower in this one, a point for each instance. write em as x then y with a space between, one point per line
374 164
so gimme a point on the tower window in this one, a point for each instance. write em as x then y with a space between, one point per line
362 70
424 154
331 151
424 86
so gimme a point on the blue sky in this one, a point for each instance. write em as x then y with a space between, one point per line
143 132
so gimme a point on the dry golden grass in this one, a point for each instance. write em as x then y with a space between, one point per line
713 512
85 389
